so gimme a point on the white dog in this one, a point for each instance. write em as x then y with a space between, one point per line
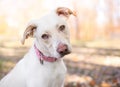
43 66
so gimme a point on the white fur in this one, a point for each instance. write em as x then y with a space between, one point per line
29 72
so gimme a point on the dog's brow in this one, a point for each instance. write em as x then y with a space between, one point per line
57 25
46 32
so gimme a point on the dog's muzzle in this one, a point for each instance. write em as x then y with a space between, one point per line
63 49
42 57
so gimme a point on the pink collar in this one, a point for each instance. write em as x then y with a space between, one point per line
43 57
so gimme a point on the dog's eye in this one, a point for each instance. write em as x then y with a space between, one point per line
62 28
45 36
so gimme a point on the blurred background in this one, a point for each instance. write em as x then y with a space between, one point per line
95 36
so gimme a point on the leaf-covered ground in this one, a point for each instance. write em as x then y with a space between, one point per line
87 67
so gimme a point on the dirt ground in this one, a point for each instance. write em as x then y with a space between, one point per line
87 66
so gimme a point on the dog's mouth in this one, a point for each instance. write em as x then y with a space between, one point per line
62 54
42 57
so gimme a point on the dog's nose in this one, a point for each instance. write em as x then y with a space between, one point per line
63 49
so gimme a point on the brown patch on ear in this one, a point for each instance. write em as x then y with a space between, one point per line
28 32
65 12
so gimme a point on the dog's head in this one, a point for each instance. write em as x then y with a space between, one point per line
51 33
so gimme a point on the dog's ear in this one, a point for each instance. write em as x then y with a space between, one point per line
66 12
29 32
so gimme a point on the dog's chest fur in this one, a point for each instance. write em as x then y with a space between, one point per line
47 74
30 73
53 75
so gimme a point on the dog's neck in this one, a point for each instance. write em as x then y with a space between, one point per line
42 57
